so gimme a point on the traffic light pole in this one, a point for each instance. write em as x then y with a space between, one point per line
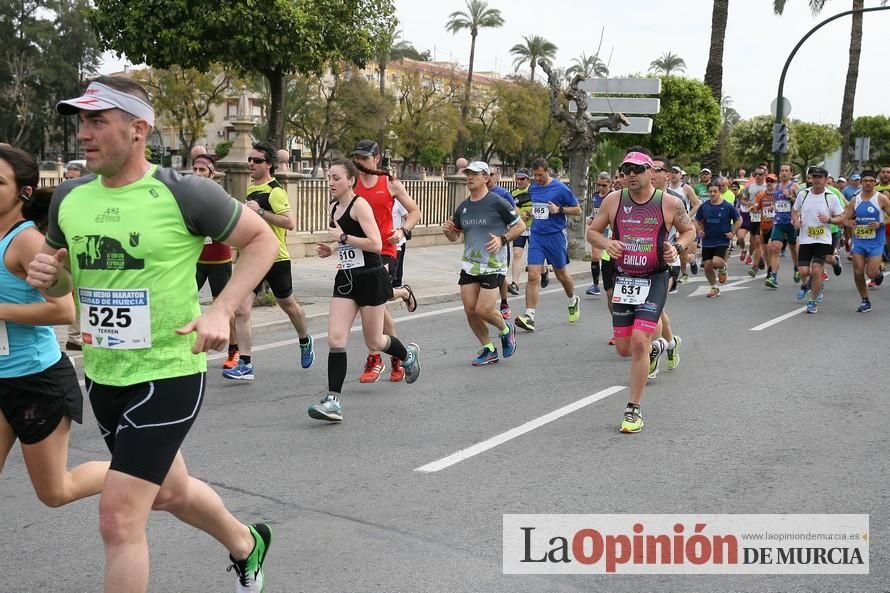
780 107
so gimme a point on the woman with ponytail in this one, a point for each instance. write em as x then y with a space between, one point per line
39 390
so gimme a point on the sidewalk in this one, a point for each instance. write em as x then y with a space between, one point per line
432 273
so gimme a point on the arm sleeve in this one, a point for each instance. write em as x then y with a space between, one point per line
278 201
54 236
568 197
455 218
699 214
507 214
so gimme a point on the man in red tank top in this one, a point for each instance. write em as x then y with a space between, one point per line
380 190
639 225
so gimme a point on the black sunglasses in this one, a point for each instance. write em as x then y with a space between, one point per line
255 160
629 168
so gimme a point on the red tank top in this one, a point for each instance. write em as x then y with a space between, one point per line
381 202
215 253
641 228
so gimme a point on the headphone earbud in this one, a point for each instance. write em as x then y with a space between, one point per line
24 198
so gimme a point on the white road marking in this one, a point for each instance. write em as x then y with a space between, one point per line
493 442
778 319
703 290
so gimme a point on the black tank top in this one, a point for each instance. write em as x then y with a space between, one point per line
352 227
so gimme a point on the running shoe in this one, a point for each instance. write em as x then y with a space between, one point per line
812 307
633 420
761 265
721 275
594 290
752 272
714 292
838 268
674 290
749 260
373 367
513 288
802 293
526 322
673 354
412 363
872 284
575 310
506 313
742 256
508 341
307 353
398 372
611 341
241 372
683 279
771 281
327 409
879 280
820 297
693 267
485 356
864 306
545 278
796 276
232 359
251 578
824 276
655 351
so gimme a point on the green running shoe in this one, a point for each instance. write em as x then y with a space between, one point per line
673 354
575 310
633 420
251 578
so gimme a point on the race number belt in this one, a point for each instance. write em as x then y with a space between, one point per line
631 291
816 231
117 319
540 211
864 231
348 257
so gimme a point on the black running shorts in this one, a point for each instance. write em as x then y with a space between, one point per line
279 279
145 424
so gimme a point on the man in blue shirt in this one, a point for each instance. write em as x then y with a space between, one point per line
493 187
552 200
853 187
717 222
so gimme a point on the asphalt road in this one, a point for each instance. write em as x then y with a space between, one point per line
786 419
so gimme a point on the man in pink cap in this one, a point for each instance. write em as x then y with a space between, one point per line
640 217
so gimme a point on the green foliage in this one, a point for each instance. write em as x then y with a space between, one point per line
274 38
668 64
432 157
587 67
477 16
45 52
811 142
689 120
183 98
876 127
609 154
555 163
524 128
427 115
223 148
535 48
751 141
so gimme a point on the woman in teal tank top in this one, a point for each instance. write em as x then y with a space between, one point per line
39 390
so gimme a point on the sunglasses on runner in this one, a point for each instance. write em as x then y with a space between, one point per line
255 160
628 168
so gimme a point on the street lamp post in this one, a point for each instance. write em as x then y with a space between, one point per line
779 102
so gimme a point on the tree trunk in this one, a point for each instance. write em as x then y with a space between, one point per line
714 70
276 107
846 127
381 137
579 168
465 108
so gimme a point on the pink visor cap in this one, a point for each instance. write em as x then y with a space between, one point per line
99 97
637 158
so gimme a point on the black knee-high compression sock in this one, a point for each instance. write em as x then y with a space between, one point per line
336 369
595 271
395 348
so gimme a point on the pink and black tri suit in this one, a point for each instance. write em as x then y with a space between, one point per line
642 230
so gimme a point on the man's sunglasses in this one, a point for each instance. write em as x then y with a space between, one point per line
255 160
628 168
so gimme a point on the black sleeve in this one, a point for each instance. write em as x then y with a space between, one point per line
54 236
455 218
208 211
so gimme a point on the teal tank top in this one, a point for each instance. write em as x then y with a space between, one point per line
31 349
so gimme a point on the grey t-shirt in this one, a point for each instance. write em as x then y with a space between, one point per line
479 219
751 191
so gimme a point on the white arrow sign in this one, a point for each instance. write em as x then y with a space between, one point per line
638 125
623 105
622 86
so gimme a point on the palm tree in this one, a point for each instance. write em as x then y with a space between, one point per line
668 63
477 16
588 67
714 69
846 126
534 48
389 49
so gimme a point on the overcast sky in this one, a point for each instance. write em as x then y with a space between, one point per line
639 31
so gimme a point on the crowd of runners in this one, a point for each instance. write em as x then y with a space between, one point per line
134 242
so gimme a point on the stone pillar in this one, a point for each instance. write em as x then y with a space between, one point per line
457 191
235 164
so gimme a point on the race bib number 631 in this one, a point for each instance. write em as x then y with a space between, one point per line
631 291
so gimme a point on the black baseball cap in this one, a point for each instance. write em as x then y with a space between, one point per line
867 173
366 148
818 171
